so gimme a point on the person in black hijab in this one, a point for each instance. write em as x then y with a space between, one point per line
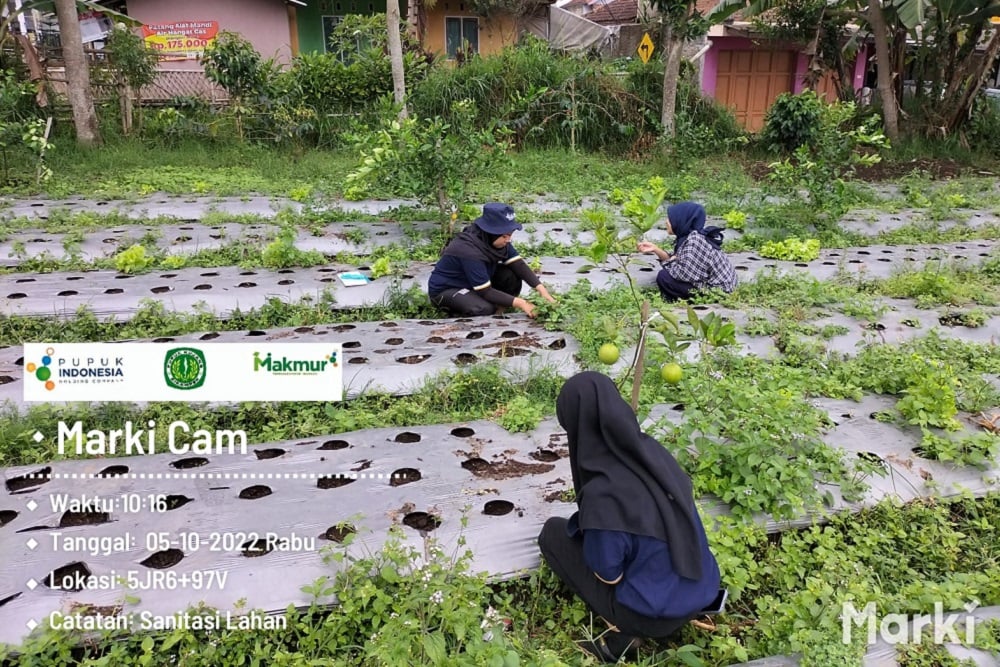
480 272
636 550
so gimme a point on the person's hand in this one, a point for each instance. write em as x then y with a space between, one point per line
647 246
544 291
529 309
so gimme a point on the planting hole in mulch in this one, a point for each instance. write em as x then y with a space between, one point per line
114 290
475 335
302 330
6 516
173 502
68 292
193 462
436 339
254 492
83 519
247 285
69 577
476 465
544 455
256 333
558 344
505 351
162 560
339 532
351 345
464 359
6 379
163 340
404 476
334 444
358 360
872 457
958 320
679 407
209 336
343 327
498 507
113 471
421 521
255 548
271 453
334 482
509 334
407 437
24 482
388 324
17 295
462 432
162 289
393 341
414 359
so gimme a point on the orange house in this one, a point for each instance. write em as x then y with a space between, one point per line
452 29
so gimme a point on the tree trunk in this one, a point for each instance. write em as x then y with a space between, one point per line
975 82
883 58
81 97
671 72
396 56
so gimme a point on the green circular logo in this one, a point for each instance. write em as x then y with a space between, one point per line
184 368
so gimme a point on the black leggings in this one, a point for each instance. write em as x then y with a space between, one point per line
564 555
672 289
467 302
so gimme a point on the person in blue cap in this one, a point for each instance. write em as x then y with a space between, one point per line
480 272
698 261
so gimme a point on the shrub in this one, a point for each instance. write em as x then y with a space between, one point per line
792 121
543 98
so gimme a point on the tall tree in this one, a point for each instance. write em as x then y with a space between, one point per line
81 95
885 70
679 21
396 55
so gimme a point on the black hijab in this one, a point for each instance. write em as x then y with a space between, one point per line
474 243
624 479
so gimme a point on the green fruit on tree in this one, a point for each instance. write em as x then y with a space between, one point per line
608 354
671 373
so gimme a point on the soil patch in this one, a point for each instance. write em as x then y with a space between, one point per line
509 469
938 168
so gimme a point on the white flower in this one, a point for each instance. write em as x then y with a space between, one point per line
716 375
437 597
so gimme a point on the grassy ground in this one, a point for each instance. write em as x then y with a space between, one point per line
786 589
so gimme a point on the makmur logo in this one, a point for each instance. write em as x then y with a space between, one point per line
286 366
184 368
43 373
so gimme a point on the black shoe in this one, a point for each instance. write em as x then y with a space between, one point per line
612 647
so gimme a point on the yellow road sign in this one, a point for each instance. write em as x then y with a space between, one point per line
645 49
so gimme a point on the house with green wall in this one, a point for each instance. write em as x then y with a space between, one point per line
317 19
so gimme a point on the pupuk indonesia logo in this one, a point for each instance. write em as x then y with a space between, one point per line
43 373
184 368
286 366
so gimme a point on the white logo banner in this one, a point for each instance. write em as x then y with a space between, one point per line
125 372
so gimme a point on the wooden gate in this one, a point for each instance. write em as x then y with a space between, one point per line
748 82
